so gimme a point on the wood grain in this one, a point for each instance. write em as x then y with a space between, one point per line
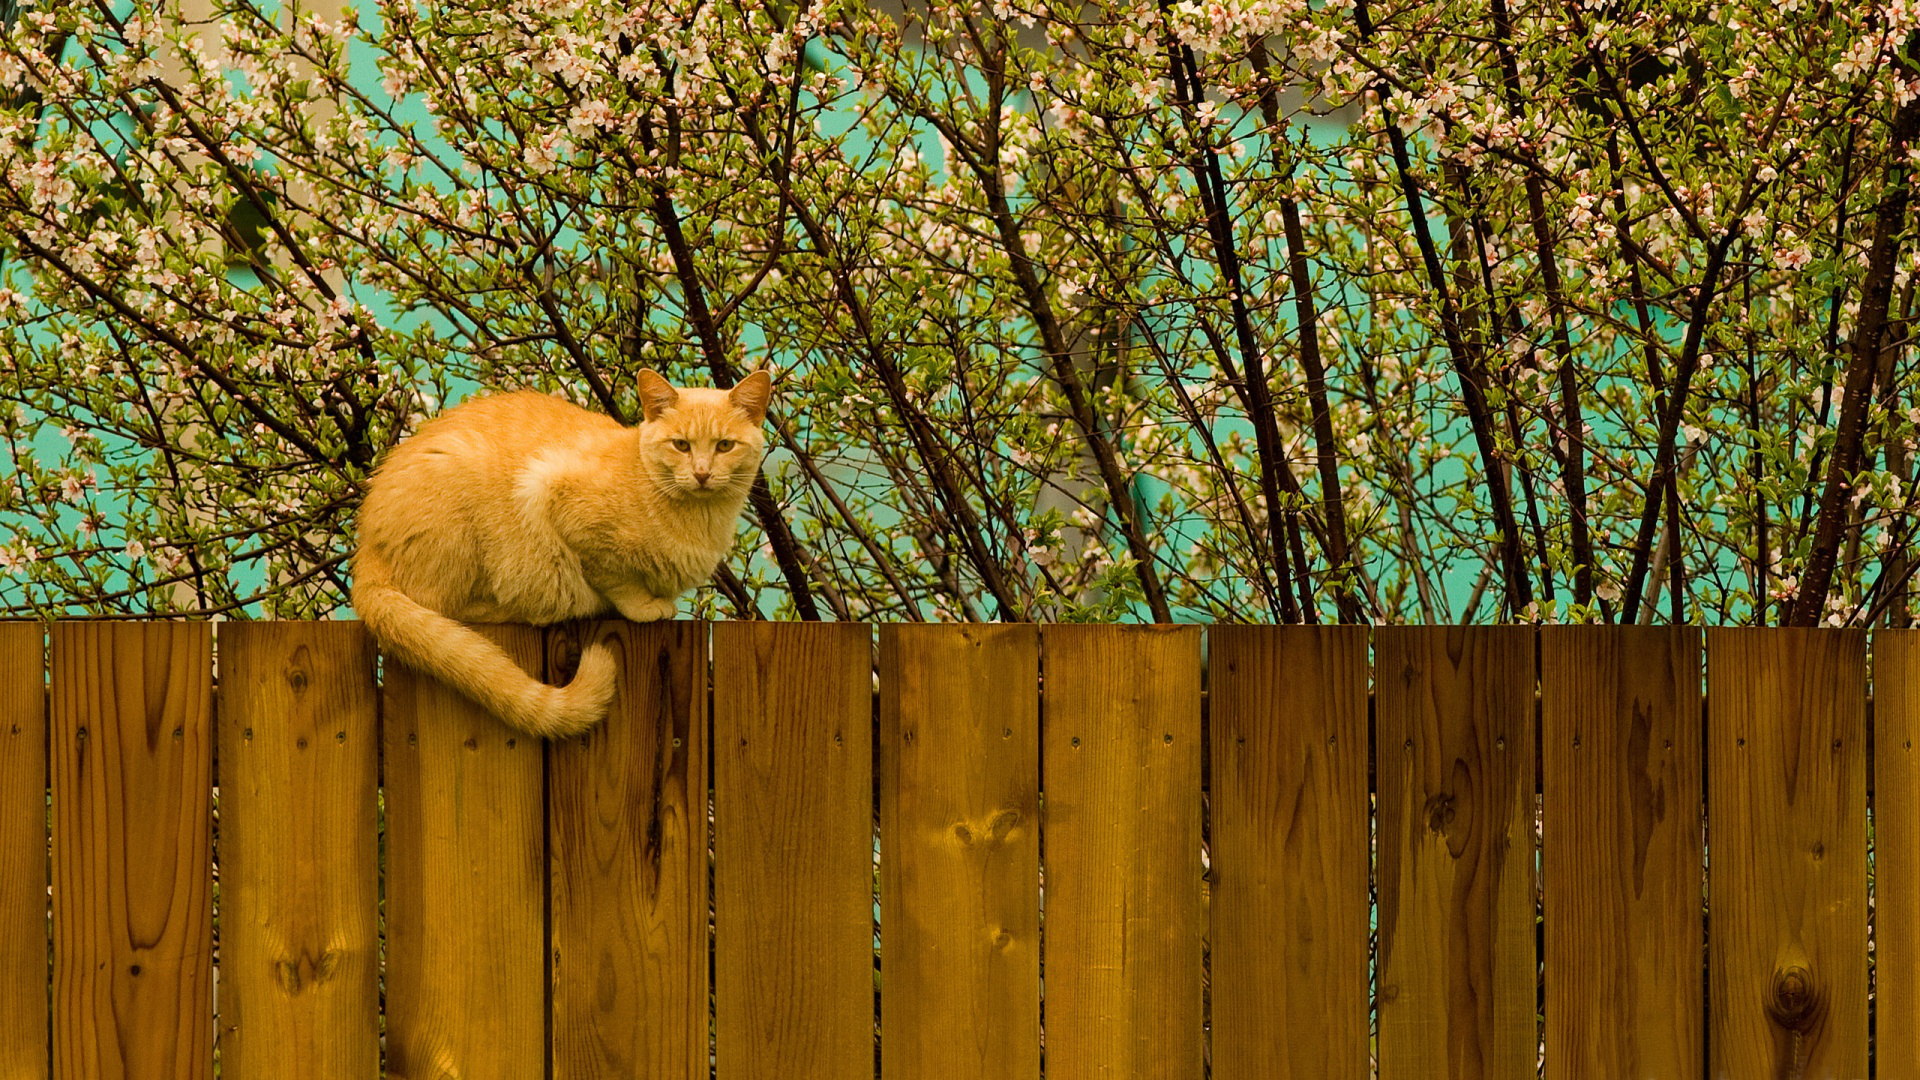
1288 711
299 863
1457 964
627 834
1124 923
132 771
23 852
793 850
1621 803
1896 845
960 840
466 882
1787 817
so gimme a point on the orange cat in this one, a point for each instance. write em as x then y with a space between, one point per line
522 508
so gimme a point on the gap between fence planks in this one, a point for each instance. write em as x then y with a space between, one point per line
131 758
298 859
1786 833
23 853
960 833
466 885
627 805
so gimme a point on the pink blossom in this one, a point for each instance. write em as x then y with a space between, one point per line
590 116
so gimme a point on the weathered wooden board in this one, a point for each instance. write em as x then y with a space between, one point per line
1621 850
23 852
1288 730
466 881
1787 853
132 765
627 828
960 840
299 861
1457 965
1896 847
1121 829
793 850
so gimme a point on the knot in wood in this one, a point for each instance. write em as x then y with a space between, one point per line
1792 1001
297 676
565 655
992 832
296 973
1002 824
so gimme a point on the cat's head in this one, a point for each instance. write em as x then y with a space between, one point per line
699 442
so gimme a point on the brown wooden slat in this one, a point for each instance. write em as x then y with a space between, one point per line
627 828
23 852
1124 923
1288 712
793 860
132 765
959 829
1457 967
466 882
1786 842
1896 840
299 861
1621 755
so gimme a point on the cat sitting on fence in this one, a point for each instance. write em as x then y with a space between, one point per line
522 508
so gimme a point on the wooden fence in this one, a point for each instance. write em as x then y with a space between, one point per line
1179 826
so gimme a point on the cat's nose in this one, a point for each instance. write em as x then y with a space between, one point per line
700 475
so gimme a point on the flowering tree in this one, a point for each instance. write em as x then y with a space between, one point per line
1264 310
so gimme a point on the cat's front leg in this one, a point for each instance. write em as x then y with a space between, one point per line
638 606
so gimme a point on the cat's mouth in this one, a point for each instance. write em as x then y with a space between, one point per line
705 489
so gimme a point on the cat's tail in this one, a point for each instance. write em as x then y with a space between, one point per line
431 643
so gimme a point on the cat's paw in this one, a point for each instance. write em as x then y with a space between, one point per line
651 609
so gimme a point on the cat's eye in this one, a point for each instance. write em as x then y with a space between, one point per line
723 446
682 445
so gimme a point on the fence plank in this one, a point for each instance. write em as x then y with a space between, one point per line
793 856
960 865
1123 930
1621 755
23 853
627 829
1896 845
466 882
299 864
1457 968
132 764
1787 816
1288 720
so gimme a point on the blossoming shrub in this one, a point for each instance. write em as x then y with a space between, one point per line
1254 310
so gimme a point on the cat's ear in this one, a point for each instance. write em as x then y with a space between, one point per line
751 394
657 395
